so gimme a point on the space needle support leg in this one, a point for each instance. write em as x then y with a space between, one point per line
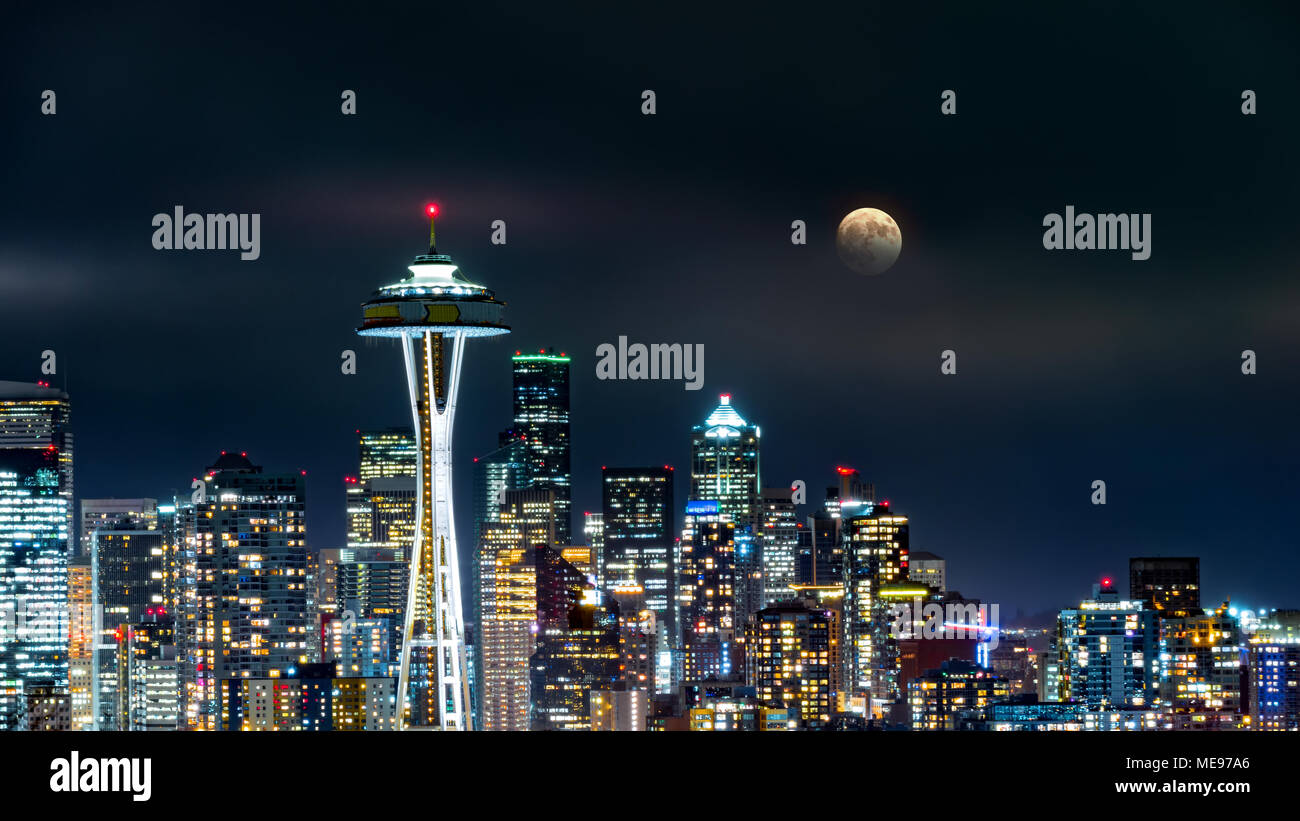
409 354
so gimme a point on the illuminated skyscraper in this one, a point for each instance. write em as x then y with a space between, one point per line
725 469
372 584
639 516
593 532
148 675
779 536
129 566
507 621
432 313
724 463
1107 650
327 581
386 453
35 540
790 651
245 612
574 658
494 474
541 388
1274 686
1202 659
875 543
706 596
381 497
638 638
81 642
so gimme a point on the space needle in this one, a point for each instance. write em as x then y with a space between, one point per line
433 312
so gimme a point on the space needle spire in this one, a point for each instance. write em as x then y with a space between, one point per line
432 313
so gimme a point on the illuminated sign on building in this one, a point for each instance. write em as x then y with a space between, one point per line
700 508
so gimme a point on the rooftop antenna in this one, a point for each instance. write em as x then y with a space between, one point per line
432 210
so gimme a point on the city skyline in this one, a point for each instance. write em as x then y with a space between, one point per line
1015 611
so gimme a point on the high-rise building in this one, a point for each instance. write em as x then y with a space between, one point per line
36 532
386 453
706 595
1169 585
81 642
725 463
327 581
148 686
790 651
381 498
541 391
725 469
638 639
248 583
1274 686
1108 652
593 532
433 312
372 583
638 517
104 513
1202 659
821 554
572 660
779 534
494 474
560 586
508 580
129 571
875 545
381 512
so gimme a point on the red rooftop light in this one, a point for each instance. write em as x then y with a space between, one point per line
1106 582
431 209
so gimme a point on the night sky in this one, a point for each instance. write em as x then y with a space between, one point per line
1072 366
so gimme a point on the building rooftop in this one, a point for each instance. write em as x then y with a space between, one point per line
28 390
925 556
725 415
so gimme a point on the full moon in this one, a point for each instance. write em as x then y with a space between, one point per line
868 241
